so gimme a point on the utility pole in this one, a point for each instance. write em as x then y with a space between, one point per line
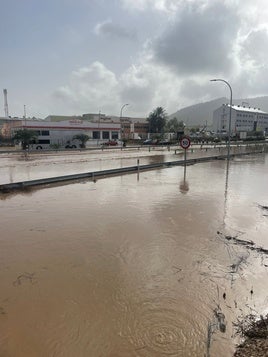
98 128
120 119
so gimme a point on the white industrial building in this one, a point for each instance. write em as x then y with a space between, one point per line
243 119
62 132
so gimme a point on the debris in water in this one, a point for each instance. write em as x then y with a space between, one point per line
249 244
264 207
218 323
220 317
255 332
25 277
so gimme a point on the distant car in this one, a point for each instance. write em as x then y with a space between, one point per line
148 142
110 143
163 142
66 147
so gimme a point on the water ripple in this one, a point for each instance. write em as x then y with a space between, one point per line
163 327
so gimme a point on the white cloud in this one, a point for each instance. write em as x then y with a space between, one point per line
254 47
144 86
90 89
167 6
108 28
95 88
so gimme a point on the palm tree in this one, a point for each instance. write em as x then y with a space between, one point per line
25 137
157 120
83 138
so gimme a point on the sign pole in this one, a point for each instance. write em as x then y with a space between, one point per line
185 143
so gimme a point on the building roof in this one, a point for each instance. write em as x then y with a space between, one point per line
56 118
9 120
135 120
74 124
246 109
92 117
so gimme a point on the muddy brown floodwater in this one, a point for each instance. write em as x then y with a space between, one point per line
134 266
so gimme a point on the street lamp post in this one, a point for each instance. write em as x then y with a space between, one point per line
98 132
123 106
230 113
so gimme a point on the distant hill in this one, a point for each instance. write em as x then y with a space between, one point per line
201 113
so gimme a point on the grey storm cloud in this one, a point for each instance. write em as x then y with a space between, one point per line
108 28
139 96
200 41
192 89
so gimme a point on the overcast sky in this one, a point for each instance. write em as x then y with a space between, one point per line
84 56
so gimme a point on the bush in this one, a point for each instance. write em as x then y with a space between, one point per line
54 146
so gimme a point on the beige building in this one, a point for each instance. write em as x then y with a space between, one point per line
6 125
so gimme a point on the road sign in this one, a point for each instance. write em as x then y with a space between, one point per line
185 142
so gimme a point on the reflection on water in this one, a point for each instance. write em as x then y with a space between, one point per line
184 185
126 267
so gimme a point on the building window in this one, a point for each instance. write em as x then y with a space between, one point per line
45 132
114 135
43 141
105 134
96 134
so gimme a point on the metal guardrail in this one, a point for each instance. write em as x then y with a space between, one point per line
138 147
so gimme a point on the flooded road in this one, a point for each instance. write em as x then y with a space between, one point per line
17 167
35 165
134 266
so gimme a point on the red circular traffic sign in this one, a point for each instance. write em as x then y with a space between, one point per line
185 142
